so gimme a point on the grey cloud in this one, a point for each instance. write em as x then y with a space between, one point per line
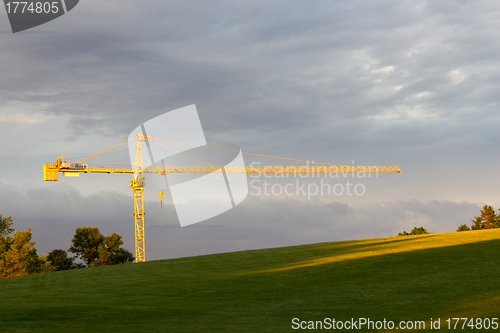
262 223
259 222
265 67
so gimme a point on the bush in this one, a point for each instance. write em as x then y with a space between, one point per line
415 231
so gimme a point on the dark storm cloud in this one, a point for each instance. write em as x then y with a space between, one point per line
275 69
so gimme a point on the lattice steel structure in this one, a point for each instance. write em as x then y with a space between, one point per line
51 173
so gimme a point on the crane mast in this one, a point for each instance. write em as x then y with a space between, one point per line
137 185
51 173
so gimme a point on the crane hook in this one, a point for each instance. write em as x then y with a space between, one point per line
161 205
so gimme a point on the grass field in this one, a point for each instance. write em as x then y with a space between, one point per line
412 278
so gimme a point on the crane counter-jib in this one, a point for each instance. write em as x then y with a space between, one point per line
51 171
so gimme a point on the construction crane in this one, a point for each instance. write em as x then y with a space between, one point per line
51 173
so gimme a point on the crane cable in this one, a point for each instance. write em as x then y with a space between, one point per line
181 153
192 144
147 137
235 151
104 150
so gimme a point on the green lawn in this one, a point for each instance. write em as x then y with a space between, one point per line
396 278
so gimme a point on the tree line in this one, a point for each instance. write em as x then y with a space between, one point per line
19 257
488 219
415 231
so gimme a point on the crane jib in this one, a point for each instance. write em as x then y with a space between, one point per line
51 171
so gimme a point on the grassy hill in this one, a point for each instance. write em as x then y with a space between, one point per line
412 278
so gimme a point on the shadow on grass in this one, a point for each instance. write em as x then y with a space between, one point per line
368 248
354 246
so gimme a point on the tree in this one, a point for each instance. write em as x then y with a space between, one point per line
487 220
44 265
110 252
415 231
419 231
122 256
59 260
476 225
18 256
5 224
98 250
463 227
86 243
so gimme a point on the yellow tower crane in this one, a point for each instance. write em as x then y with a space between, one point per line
51 173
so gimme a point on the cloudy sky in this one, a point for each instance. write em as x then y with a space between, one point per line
408 83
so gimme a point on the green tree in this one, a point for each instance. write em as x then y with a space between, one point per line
110 252
98 250
487 220
86 243
122 256
476 225
59 260
463 227
419 231
415 231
